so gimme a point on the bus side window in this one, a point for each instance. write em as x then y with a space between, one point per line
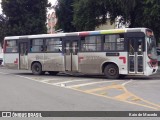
42 48
37 45
91 43
14 49
75 48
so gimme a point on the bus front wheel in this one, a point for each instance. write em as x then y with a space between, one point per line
37 68
111 71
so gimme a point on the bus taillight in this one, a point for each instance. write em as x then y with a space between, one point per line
153 63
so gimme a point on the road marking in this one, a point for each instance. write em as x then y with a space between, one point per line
69 81
122 98
100 95
26 77
126 82
145 101
103 88
4 73
90 83
109 87
47 80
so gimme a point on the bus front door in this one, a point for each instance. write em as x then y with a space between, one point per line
23 55
71 55
136 55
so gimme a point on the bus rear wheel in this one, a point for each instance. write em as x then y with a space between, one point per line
37 68
111 71
53 72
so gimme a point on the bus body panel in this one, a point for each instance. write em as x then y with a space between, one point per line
35 57
49 61
53 62
11 60
91 63
122 63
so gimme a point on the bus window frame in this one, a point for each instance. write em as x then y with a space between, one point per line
30 45
45 45
125 48
80 48
17 45
136 35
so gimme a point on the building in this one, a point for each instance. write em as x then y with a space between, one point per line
51 22
106 26
117 24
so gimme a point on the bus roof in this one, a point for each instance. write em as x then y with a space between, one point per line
83 33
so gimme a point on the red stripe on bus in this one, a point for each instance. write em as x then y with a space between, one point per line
124 59
16 61
84 34
79 59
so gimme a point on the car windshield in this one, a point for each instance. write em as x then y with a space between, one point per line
151 48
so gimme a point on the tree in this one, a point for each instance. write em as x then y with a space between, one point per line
64 13
88 14
25 16
151 17
3 28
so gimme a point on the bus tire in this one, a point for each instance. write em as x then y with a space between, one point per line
111 71
53 72
37 68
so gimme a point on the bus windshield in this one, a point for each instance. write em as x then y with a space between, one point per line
151 48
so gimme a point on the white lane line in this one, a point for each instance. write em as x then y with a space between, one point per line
70 81
26 77
90 83
33 79
47 80
127 82
4 73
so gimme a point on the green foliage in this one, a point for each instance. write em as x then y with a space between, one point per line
151 17
80 15
64 13
88 14
3 28
25 16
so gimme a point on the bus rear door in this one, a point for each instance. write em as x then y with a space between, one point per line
23 55
71 53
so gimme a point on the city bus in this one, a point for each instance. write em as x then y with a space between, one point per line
114 53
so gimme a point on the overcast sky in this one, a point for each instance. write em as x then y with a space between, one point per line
52 1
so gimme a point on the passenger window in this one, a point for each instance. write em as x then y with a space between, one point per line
114 42
53 45
91 43
11 46
37 45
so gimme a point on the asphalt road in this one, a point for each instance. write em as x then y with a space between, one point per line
22 91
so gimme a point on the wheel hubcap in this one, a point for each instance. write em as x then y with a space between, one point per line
112 71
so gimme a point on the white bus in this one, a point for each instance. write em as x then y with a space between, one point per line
114 53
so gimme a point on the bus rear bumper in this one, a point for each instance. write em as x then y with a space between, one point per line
151 71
